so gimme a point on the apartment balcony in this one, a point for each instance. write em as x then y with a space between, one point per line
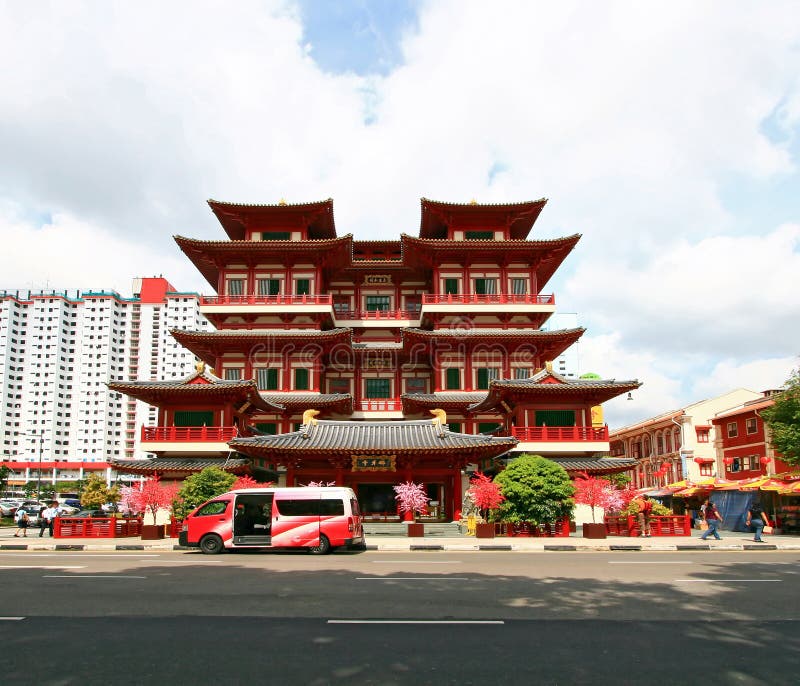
298 304
576 440
378 408
377 318
490 302
197 440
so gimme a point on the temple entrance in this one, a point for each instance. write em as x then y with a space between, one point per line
377 501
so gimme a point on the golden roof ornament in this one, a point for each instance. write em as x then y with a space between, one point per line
439 416
200 366
282 202
548 366
309 417
473 201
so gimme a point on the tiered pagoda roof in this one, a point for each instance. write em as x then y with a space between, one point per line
201 386
437 217
236 218
181 467
550 386
447 400
326 438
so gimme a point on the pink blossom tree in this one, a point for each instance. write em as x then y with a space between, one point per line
485 493
411 498
594 492
152 497
245 482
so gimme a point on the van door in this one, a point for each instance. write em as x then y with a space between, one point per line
252 519
295 520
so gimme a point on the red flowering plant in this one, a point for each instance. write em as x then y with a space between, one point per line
245 482
485 493
411 498
151 497
594 492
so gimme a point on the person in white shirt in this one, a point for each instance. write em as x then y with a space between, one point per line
48 517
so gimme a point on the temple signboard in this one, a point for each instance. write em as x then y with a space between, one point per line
373 463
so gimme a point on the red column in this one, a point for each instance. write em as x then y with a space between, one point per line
289 475
457 500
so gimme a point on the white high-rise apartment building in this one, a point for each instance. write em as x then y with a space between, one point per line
58 350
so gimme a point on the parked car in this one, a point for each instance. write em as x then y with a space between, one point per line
90 513
9 507
69 510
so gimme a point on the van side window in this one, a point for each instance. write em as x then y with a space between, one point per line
216 507
298 508
331 506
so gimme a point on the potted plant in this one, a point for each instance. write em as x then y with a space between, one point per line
596 493
487 496
412 500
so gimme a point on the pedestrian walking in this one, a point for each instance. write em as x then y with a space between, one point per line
644 515
713 518
22 519
47 518
757 518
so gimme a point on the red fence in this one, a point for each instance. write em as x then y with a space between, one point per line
528 529
376 314
487 299
96 527
528 434
189 434
266 300
385 405
661 525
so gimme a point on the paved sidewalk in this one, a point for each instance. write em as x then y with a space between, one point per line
731 541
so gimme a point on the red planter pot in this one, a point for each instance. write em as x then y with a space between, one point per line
484 530
594 530
152 532
416 530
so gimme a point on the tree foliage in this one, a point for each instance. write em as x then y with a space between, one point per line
783 420
4 472
153 496
594 492
198 488
411 497
246 482
96 493
536 490
485 493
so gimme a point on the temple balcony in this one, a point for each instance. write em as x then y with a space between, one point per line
376 318
458 303
561 439
378 408
264 304
199 440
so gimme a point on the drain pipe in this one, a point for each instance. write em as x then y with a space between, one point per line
684 470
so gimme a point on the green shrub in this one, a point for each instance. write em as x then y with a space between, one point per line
536 490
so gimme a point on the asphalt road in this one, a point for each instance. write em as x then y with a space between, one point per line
399 618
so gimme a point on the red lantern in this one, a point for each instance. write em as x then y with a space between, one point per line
728 460
765 460
665 466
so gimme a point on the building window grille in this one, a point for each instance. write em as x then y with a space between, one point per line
378 303
733 430
378 388
302 286
267 379
519 286
269 286
479 235
451 286
452 379
485 286
752 425
485 375
235 286
521 373
300 379
276 236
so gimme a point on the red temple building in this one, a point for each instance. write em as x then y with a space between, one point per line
369 363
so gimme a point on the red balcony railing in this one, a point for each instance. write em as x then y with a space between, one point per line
376 315
266 300
554 434
379 405
188 434
488 299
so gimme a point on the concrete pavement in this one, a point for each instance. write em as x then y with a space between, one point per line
731 541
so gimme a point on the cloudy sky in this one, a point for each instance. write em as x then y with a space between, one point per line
665 133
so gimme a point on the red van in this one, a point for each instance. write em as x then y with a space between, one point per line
317 518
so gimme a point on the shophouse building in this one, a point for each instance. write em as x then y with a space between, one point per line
371 362
679 444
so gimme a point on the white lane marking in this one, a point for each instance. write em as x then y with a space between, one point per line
415 621
89 576
43 566
412 578
648 562
78 553
416 562
725 581
11 619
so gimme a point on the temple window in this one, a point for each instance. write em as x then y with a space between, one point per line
452 379
302 286
235 286
451 286
484 376
267 428
485 286
487 427
521 372
233 374
519 286
300 379
455 427
377 388
479 235
193 418
378 303
267 378
555 418
276 236
269 286
341 304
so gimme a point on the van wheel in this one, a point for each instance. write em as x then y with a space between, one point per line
323 548
211 544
